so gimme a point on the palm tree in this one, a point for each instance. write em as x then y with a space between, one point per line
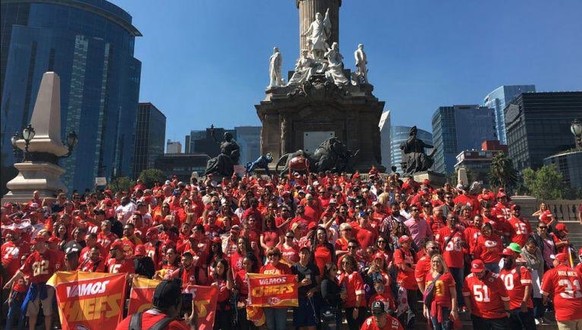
502 173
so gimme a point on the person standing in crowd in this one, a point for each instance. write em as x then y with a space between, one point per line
534 262
563 285
380 320
222 279
521 228
488 248
352 287
546 244
306 315
332 298
486 298
452 243
440 295
405 261
419 228
545 215
276 317
518 282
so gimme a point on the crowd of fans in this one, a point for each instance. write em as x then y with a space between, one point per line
375 250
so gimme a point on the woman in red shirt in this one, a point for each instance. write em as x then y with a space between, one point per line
289 249
323 251
270 236
545 215
353 288
241 289
223 280
440 284
488 248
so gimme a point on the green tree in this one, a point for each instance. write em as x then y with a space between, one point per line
502 173
545 183
121 183
151 176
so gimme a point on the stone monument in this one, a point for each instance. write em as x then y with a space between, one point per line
40 170
322 98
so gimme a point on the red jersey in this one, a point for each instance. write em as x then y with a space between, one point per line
422 268
405 278
488 248
391 324
118 267
106 239
279 269
487 295
242 284
520 230
516 281
11 254
354 285
151 317
322 255
442 290
41 266
290 255
453 251
564 284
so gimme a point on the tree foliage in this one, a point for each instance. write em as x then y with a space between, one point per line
151 176
121 183
545 183
502 173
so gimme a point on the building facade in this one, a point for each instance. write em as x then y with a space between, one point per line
90 45
385 146
498 99
538 126
150 134
398 135
173 147
249 140
457 128
569 163
182 165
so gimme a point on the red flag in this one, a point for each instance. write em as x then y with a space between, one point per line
266 290
204 300
141 295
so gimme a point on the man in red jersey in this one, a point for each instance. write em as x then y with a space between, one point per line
39 267
486 298
167 303
563 285
452 242
517 280
520 227
119 263
380 320
12 250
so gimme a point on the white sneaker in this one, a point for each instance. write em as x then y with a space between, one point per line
538 322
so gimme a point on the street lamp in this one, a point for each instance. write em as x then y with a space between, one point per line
13 140
27 134
576 128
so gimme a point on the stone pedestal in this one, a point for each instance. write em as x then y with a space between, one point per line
41 176
436 179
350 112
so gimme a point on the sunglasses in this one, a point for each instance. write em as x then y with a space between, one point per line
352 247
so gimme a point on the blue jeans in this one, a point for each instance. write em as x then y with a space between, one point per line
458 275
493 266
276 318
14 311
446 324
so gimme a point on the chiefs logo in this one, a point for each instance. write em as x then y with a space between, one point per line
273 301
490 244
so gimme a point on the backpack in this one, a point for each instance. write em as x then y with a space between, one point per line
135 322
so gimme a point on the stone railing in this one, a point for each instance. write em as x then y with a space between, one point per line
564 210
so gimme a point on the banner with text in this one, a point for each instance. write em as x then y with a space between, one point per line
267 290
204 300
89 300
141 295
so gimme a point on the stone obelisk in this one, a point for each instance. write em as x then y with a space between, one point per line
40 171
307 11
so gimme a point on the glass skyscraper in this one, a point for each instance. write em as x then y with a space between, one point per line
90 45
150 136
457 128
498 99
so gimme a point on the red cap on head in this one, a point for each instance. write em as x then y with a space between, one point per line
561 257
140 250
217 240
311 226
477 266
508 252
501 194
561 227
54 239
404 238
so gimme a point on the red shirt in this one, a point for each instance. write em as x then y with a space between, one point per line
92 266
354 285
516 281
41 266
488 248
405 278
442 290
279 269
11 254
422 268
564 284
322 255
453 252
118 267
487 295
149 318
290 254
520 231
391 324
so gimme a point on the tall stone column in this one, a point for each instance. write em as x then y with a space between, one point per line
307 10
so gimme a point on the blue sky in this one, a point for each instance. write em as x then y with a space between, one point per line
206 61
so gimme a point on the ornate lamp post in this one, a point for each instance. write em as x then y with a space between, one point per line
13 140
576 129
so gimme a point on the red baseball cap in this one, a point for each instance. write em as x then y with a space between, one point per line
508 252
477 266
561 257
404 238
561 227
140 250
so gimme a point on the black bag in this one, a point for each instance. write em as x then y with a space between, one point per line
135 323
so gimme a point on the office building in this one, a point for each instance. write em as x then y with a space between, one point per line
457 128
173 147
385 147
150 134
569 163
478 162
538 126
399 135
249 140
90 45
182 165
498 99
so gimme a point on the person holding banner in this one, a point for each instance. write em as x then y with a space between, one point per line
241 292
353 288
167 303
276 317
305 316
223 280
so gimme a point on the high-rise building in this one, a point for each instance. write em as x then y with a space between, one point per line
538 126
207 141
498 99
150 134
90 45
249 140
173 147
385 147
398 135
457 128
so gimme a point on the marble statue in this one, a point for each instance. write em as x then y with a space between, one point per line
414 158
334 69
275 62
361 65
303 69
318 34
